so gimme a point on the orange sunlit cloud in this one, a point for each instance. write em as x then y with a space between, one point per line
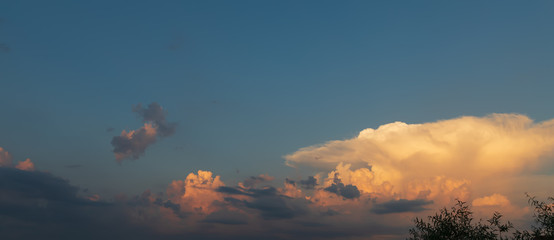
197 192
7 161
383 177
5 158
439 161
393 172
26 165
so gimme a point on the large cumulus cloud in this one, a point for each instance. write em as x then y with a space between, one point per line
499 142
465 158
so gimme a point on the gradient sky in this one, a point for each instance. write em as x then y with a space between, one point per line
249 82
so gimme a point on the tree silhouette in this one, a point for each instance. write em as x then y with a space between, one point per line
544 216
458 224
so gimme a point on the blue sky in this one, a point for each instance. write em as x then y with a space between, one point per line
249 82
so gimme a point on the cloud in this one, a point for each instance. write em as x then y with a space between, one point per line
39 205
250 191
188 207
94 198
227 217
26 165
439 161
197 193
20 184
309 183
347 191
5 158
487 205
254 180
290 181
7 161
267 202
156 115
367 187
509 139
400 206
36 205
275 207
133 144
245 207
492 200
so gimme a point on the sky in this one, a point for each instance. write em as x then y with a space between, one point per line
291 119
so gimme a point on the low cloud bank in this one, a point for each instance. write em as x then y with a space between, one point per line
367 187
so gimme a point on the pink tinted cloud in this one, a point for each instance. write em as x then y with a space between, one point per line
7 161
5 158
26 165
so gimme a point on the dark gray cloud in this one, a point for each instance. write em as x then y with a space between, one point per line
290 181
148 199
309 183
254 180
133 144
251 192
17 184
38 205
273 207
311 224
347 191
231 190
401 205
155 114
330 212
267 202
226 217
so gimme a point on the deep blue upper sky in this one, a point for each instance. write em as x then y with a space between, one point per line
251 81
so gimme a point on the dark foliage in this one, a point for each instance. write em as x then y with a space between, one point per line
458 224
